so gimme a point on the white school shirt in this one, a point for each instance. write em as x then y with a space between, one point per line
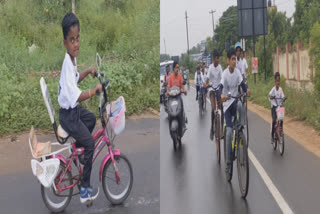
68 92
230 82
198 79
240 67
214 75
245 65
278 94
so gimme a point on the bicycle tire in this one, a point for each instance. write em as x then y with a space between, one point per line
247 122
62 205
113 200
224 147
274 142
217 135
243 162
281 143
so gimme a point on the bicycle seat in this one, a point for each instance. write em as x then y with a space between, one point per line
62 133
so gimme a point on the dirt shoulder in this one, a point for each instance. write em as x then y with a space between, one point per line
302 133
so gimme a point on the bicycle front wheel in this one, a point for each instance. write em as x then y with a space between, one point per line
246 121
243 165
281 143
117 192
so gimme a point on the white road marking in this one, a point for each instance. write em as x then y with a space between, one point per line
272 188
266 179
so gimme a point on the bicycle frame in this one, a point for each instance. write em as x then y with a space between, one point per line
101 139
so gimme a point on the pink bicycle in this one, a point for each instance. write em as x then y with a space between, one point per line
59 174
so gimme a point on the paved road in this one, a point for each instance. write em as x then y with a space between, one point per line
20 192
192 181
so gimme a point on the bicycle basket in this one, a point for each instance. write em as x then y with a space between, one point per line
46 170
280 113
116 111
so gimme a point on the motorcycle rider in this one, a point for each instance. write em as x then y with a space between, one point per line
176 80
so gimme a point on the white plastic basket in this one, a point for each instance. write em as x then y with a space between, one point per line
117 118
46 170
280 113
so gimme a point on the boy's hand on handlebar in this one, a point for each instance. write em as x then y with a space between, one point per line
98 88
248 92
185 92
92 71
223 98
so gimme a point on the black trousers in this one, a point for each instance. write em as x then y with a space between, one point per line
79 123
198 89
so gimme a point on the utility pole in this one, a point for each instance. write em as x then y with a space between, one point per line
187 31
212 11
73 7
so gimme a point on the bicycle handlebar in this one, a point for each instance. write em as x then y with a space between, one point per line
215 89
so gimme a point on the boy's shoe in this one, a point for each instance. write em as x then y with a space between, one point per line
88 194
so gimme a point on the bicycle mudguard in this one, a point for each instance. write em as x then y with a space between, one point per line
60 157
105 160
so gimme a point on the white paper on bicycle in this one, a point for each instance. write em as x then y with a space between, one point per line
117 118
46 170
280 113
47 100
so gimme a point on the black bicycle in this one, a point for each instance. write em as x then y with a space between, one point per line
239 151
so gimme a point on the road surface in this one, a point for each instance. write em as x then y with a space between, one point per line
193 182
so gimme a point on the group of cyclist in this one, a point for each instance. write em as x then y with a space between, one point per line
229 83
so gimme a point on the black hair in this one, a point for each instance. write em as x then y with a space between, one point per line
215 53
231 52
276 75
69 21
175 63
240 49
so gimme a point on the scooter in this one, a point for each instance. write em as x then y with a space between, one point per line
174 112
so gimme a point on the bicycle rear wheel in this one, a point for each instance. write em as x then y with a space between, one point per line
115 192
243 165
57 202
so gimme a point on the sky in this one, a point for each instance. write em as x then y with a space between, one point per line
173 24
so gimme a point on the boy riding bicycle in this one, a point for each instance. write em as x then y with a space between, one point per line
275 97
231 80
198 80
214 77
73 118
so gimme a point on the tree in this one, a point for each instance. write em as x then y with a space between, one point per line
227 28
306 14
